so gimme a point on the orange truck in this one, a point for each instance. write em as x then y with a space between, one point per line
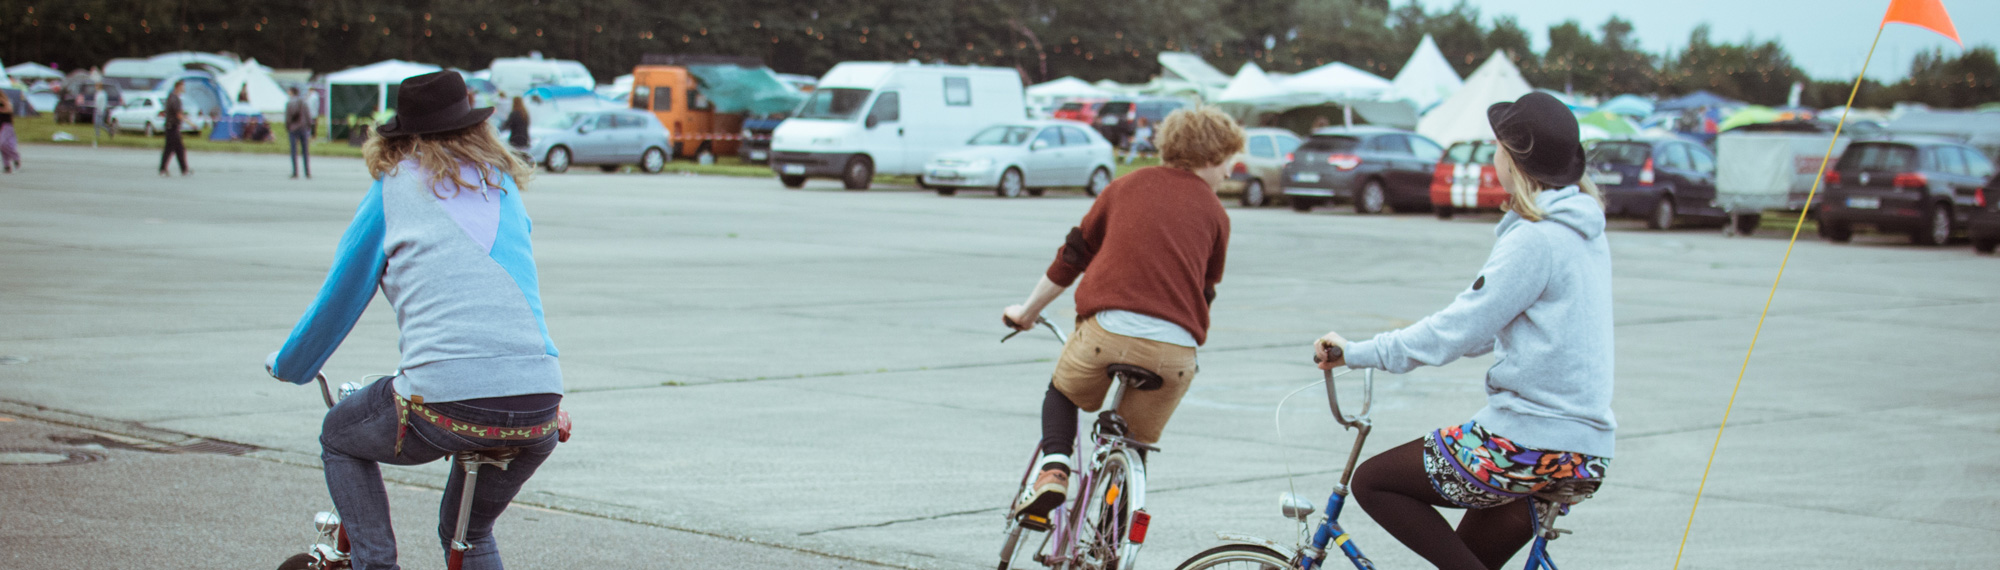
663 85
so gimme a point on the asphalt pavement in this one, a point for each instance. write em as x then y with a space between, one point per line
812 378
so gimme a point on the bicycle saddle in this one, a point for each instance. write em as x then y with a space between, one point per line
495 456
1568 491
1136 378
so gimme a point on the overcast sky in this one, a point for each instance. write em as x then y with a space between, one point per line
1826 38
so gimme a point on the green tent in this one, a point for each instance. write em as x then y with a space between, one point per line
753 90
1612 124
1752 115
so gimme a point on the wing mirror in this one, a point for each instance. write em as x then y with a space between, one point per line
583 129
872 121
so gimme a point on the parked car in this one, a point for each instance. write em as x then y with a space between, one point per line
608 139
1662 180
76 102
1117 120
1372 167
1079 110
868 118
1028 156
1983 226
1926 186
1260 166
1465 179
145 112
756 147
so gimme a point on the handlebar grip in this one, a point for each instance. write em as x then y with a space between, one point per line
1332 352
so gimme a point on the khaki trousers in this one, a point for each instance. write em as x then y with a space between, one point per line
1080 374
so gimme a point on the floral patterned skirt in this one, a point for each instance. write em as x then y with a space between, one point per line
1476 469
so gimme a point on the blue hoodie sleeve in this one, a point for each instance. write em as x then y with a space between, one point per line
1514 277
357 272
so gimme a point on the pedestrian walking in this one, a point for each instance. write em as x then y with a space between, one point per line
517 126
444 236
173 114
298 130
10 152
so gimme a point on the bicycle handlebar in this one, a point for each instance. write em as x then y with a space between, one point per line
1359 420
1038 321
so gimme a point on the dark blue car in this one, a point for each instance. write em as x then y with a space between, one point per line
1662 180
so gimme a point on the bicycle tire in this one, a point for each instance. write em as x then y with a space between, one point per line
1237 557
1104 521
300 561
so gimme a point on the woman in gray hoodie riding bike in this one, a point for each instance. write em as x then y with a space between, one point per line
1542 303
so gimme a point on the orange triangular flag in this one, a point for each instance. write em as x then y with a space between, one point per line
1926 14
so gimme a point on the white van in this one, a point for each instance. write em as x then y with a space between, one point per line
516 75
868 118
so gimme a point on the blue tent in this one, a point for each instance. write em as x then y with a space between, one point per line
1695 100
1628 105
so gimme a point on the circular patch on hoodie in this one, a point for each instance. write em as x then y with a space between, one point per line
1481 282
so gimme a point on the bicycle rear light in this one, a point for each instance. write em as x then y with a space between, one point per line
1140 520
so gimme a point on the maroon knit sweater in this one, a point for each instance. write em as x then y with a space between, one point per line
1153 244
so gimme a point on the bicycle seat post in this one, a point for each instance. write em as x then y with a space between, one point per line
471 461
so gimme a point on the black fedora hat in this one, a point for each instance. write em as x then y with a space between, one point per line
432 103
1544 133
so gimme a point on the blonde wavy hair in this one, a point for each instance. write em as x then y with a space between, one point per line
1198 138
1522 189
441 155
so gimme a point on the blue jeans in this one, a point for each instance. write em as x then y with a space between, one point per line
360 433
300 143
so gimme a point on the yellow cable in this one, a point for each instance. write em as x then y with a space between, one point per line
1821 175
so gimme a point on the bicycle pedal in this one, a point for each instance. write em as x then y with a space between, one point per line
1035 522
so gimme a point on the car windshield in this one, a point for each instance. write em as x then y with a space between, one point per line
834 103
1629 154
1330 144
1002 135
1879 157
1071 107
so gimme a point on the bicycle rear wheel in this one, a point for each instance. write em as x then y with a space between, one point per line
1237 557
1105 516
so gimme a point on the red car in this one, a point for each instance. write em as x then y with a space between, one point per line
1080 110
1465 180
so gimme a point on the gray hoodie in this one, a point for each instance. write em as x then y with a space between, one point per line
1543 303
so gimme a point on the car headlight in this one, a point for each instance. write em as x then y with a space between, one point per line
746 134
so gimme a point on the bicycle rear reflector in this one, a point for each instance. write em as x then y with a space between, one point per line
1140 520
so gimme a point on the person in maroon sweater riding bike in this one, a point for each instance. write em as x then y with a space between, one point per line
1153 244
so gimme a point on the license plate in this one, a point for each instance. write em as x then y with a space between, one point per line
944 174
1607 178
1308 177
1108 121
758 155
1864 203
795 169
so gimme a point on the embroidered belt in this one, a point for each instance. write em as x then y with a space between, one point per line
414 405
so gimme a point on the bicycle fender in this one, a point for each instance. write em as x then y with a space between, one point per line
1240 538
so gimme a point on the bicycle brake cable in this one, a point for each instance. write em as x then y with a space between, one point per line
1278 421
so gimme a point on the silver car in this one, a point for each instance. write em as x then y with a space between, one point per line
608 139
1013 158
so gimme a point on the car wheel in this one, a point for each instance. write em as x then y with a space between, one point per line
654 161
1663 214
793 182
558 160
1371 199
1746 224
1037 192
1936 230
1253 194
608 168
1303 204
943 191
1099 179
1444 211
1010 184
858 173
1835 231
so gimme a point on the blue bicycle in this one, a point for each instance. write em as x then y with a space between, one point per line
1245 551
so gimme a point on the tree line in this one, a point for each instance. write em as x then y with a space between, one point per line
1045 39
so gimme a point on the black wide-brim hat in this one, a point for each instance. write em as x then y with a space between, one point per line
432 103
1543 137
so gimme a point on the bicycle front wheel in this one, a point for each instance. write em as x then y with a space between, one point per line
1237 557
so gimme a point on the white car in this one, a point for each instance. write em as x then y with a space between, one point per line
1026 156
142 112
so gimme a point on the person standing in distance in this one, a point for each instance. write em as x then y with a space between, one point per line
10 152
174 114
298 130
101 114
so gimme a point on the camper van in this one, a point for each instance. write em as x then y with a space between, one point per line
516 75
868 118
673 95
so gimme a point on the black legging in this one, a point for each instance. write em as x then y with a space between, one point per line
174 150
1058 422
1397 493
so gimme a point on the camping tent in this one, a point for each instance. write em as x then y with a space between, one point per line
197 61
1067 87
31 71
1612 124
358 92
1186 72
1462 117
1251 87
1427 77
1696 100
1628 105
265 95
1337 82
1253 92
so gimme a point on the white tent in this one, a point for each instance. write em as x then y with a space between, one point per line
1427 78
1198 75
32 71
214 63
1251 87
1462 117
266 96
1067 87
385 75
1337 82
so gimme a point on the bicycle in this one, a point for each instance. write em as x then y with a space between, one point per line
330 550
1246 551
1104 528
